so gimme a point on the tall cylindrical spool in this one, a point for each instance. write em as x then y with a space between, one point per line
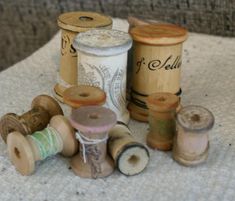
71 24
93 124
58 137
162 111
102 62
131 157
157 59
191 142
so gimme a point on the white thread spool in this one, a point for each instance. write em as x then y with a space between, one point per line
103 63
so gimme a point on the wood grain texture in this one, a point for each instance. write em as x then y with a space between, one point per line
28 24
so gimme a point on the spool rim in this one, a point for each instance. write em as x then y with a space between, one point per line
48 103
20 153
126 147
9 123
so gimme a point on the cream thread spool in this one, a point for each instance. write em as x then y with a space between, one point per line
71 24
43 108
157 58
102 63
93 123
191 143
131 157
58 137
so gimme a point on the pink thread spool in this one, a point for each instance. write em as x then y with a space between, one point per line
93 124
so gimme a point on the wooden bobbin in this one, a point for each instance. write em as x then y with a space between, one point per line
162 110
71 24
43 107
83 95
131 157
93 124
24 152
157 59
191 143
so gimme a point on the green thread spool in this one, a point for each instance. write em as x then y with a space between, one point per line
58 137
162 111
48 142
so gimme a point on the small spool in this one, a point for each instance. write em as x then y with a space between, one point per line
83 95
71 24
93 124
59 137
43 108
191 144
162 110
130 156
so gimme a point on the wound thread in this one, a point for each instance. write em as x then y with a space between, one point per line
48 142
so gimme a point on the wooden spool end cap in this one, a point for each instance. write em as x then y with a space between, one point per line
93 119
159 34
83 95
162 101
133 159
195 118
67 133
11 122
83 21
48 103
20 153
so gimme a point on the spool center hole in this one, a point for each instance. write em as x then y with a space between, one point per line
84 94
162 99
85 18
17 152
195 118
93 116
133 160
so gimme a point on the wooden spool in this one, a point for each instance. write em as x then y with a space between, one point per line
24 152
131 157
162 111
102 63
191 144
71 24
157 58
83 95
43 107
93 123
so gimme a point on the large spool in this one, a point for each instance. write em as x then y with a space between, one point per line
71 24
157 58
102 63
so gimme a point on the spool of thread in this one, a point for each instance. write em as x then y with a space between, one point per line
157 59
58 137
191 144
92 124
130 156
162 110
83 95
102 63
43 108
71 24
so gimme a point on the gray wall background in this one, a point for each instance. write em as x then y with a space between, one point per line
28 24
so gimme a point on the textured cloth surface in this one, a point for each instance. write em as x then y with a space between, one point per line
208 79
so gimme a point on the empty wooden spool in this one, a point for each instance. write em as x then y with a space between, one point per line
43 107
157 59
191 144
24 151
162 126
71 24
131 157
93 124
